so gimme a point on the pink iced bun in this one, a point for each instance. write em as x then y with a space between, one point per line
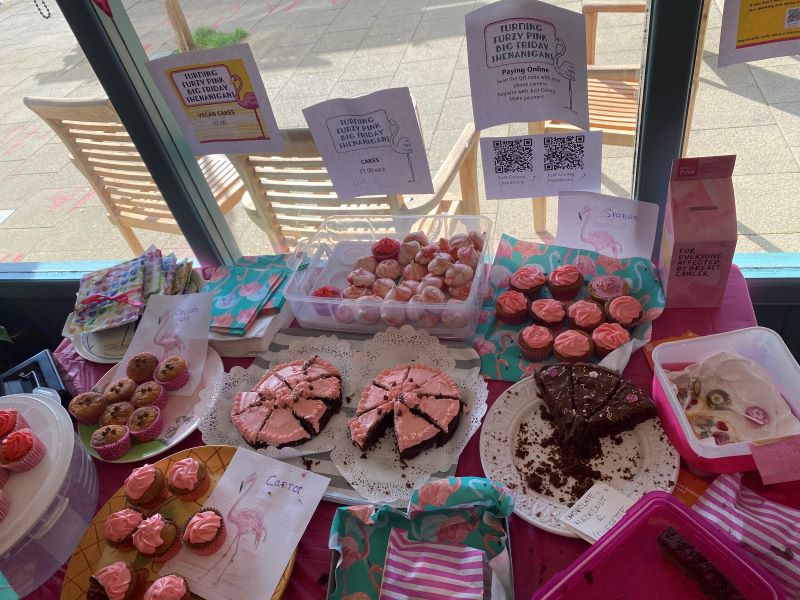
115 579
625 310
458 275
5 505
440 263
361 278
608 337
414 271
168 587
468 256
389 269
368 263
606 287
382 286
548 312
351 292
432 295
566 275
572 345
586 314
426 254
385 248
140 479
408 250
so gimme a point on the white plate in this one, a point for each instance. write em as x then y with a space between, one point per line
652 461
180 416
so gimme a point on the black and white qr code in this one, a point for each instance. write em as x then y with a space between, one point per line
792 18
564 152
513 156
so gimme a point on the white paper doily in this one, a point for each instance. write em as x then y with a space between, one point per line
216 400
378 474
645 460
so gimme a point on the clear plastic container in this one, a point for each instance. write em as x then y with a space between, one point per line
760 345
340 241
628 561
53 503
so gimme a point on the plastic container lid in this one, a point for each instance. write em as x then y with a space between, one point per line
628 562
32 492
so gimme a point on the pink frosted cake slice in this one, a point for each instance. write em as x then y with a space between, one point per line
327 389
282 429
414 434
250 422
442 412
391 377
420 374
367 428
270 382
372 397
440 385
312 412
310 370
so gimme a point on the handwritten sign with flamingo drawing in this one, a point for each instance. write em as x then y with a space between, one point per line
371 144
218 99
527 62
615 227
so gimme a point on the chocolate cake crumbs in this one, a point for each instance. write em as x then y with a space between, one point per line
363 455
307 463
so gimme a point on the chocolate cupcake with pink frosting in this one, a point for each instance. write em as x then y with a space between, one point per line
536 342
120 527
157 538
573 346
625 310
145 487
528 280
204 534
548 313
188 479
585 315
118 581
608 337
511 307
565 282
607 287
168 587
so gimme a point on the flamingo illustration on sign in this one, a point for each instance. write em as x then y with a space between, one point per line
248 522
169 341
602 241
248 101
402 146
564 68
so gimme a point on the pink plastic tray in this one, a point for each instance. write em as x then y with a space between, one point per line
628 563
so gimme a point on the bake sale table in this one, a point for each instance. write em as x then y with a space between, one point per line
537 555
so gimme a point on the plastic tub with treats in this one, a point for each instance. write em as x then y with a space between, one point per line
53 503
330 256
759 344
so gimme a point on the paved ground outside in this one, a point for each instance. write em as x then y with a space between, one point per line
311 50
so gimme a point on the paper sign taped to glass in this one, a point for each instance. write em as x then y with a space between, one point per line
371 145
758 29
219 100
527 62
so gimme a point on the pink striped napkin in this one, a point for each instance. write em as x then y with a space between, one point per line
428 571
768 531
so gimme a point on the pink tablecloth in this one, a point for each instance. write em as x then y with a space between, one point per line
537 555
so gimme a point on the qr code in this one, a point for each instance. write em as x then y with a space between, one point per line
513 156
792 18
565 152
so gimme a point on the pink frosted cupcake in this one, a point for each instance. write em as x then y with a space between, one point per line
565 282
4 475
146 423
625 310
157 538
511 307
117 581
573 346
5 505
172 373
608 337
548 313
145 487
169 587
150 393
111 442
10 421
205 532
536 342
20 451
188 479
120 527
528 280
586 315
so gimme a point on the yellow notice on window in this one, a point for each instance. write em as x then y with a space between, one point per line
758 29
218 99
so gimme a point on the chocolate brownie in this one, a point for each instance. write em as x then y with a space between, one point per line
592 386
555 385
626 408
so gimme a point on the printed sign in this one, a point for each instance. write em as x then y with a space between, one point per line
778 461
219 100
527 62
596 512
758 29
615 227
541 165
371 144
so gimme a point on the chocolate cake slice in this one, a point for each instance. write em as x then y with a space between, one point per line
391 378
443 412
309 370
592 386
372 397
697 567
555 386
244 400
250 421
441 386
312 413
414 433
367 428
327 389
626 408
418 375
282 429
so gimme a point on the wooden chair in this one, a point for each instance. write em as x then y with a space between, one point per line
289 195
103 152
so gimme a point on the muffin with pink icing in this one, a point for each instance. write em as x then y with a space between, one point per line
120 527
625 310
188 479
528 280
573 346
168 587
565 282
536 342
21 450
585 315
11 420
5 505
117 581
607 287
145 487
204 534
608 337
511 307
157 538
548 313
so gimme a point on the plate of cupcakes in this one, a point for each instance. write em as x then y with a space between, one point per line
137 416
159 509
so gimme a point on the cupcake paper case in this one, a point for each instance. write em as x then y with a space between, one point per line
138 427
150 393
21 451
172 373
205 532
117 447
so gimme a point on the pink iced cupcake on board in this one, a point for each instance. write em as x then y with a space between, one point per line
586 314
608 337
625 310
145 487
511 307
548 313
536 342
120 527
188 479
565 282
607 287
5 505
573 346
168 587
20 451
205 532
157 538
172 373
111 441
4 475
528 280
10 421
